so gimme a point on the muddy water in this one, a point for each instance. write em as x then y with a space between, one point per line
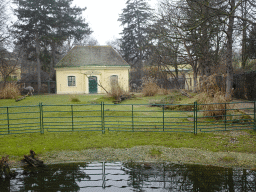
117 176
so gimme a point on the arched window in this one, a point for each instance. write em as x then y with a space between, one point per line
113 80
71 81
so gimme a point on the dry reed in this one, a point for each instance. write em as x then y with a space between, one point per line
213 98
149 87
10 91
117 91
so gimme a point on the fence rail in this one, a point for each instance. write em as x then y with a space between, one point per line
191 118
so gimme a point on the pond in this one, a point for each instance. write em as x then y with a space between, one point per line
117 176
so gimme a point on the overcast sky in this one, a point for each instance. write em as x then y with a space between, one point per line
102 16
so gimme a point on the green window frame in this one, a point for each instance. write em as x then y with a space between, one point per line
71 81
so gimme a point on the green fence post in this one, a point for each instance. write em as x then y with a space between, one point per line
72 113
8 120
40 118
163 117
132 120
101 114
195 117
102 118
225 116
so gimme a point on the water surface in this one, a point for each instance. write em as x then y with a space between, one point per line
118 176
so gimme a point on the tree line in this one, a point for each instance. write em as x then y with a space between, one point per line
200 33
44 30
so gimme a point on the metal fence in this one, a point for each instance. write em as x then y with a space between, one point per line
192 118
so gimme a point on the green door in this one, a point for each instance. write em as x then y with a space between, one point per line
93 87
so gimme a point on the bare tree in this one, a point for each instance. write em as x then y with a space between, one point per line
9 64
115 43
4 35
87 41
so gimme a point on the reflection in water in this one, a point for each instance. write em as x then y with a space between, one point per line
130 177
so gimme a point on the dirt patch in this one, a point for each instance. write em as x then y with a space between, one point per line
233 133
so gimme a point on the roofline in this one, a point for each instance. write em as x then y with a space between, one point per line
93 66
92 46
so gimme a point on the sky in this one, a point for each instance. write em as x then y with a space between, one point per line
102 16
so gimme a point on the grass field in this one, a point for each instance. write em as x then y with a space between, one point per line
19 144
58 114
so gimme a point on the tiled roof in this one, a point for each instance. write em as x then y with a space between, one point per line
80 56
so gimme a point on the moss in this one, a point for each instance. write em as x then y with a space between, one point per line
155 152
228 159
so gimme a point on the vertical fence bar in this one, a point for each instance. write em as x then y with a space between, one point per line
42 121
195 117
101 114
40 118
225 113
8 120
163 117
132 120
72 112
103 117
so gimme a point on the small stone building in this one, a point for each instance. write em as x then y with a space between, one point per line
91 69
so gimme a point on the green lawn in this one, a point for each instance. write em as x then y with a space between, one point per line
19 144
61 114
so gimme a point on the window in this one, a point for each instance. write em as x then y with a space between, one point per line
71 81
113 80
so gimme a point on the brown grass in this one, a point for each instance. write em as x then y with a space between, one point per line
163 91
213 97
209 85
215 105
117 91
149 87
10 91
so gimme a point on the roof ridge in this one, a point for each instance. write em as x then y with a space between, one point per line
101 55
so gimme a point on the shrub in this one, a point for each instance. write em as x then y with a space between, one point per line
117 92
74 98
164 91
213 97
215 106
10 91
209 85
149 87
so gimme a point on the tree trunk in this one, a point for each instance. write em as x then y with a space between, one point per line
38 63
195 77
229 82
244 49
52 60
